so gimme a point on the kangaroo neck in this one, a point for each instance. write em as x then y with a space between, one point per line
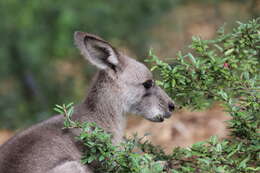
103 106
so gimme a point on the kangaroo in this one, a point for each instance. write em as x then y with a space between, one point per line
122 85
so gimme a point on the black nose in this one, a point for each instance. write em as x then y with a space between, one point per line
171 107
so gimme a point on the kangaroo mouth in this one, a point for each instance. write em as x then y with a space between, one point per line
157 119
160 118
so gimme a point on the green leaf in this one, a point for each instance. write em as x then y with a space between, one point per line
229 51
243 163
58 110
58 106
192 58
69 105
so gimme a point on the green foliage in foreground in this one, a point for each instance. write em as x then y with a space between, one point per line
226 70
98 147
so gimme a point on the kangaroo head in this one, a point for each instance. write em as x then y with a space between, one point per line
130 83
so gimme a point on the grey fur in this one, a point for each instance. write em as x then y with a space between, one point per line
117 89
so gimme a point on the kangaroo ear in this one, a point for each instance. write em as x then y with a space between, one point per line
99 52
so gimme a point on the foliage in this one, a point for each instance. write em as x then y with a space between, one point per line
98 147
37 35
226 70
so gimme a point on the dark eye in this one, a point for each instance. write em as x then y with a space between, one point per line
148 84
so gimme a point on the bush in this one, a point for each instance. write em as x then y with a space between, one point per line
225 70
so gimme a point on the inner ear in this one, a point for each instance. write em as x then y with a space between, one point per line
96 49
104 54
102 51
99 52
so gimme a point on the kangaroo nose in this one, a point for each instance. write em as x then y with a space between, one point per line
171 107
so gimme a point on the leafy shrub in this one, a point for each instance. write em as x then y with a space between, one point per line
226 70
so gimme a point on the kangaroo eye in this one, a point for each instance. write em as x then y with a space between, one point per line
148 84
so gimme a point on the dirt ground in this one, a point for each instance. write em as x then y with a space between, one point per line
5 135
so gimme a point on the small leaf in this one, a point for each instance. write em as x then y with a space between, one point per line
154 68
69 105
229 51
192 58
243 163
70 111
58 110
58 106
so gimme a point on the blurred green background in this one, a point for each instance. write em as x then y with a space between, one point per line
40 66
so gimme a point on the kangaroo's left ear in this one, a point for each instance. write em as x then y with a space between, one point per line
96 50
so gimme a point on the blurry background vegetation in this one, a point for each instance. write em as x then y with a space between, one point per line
39 62
40 67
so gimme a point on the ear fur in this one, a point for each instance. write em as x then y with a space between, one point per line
96 50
